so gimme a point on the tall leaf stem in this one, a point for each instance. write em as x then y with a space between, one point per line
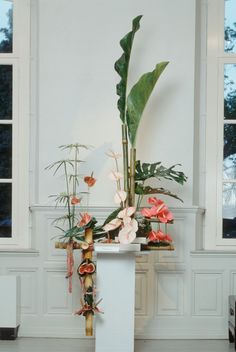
118 181
140 198
125 161
132 176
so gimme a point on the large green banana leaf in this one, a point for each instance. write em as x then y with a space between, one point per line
138 97
122 65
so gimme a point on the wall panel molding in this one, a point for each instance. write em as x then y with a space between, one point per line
207 293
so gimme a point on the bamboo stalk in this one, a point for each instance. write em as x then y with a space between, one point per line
89 324
125 161
88 282
132 176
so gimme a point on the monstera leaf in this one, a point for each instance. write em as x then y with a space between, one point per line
146 170
122 65
138 98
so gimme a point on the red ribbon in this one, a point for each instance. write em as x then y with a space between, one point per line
70 264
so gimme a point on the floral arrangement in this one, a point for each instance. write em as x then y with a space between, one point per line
128 218
79 230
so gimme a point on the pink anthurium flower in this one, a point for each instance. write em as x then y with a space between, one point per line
120 196
168 238
160 235
129 211
112 225
85 219
128 233
90 180
155 201
149 212
146 212
152 236
75 200
165 215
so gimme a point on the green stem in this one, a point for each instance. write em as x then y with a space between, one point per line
140 198
125 161
118 182
74 187
132 176
68 196
88 194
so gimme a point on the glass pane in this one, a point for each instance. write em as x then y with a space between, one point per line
5 151
229 163
5 209
230 91
230 26
6 26
5 92
229 210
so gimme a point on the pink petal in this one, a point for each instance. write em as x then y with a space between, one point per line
152 236
85 218
128 233
129 211
155 201
126 237
112 225
168 238
146 212
165 216
161 235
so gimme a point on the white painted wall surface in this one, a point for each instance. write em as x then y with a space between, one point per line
74 46
78 44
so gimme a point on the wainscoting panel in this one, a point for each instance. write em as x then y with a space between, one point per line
207 293
170 293
141 297
29 288
179 294
56 297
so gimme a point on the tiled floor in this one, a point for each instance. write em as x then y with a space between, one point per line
85 345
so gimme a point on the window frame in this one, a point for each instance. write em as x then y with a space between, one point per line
20 60
216 58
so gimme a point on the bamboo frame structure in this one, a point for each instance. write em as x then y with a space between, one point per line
88 281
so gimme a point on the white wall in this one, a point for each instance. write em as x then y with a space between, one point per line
179 294
78 43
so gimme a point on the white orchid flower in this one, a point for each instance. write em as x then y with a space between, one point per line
112 225
129 211
113 155
120 196
128 233
115 175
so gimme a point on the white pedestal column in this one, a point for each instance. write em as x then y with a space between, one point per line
9 307
116 285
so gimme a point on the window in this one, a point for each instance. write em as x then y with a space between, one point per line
220 229
14 122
